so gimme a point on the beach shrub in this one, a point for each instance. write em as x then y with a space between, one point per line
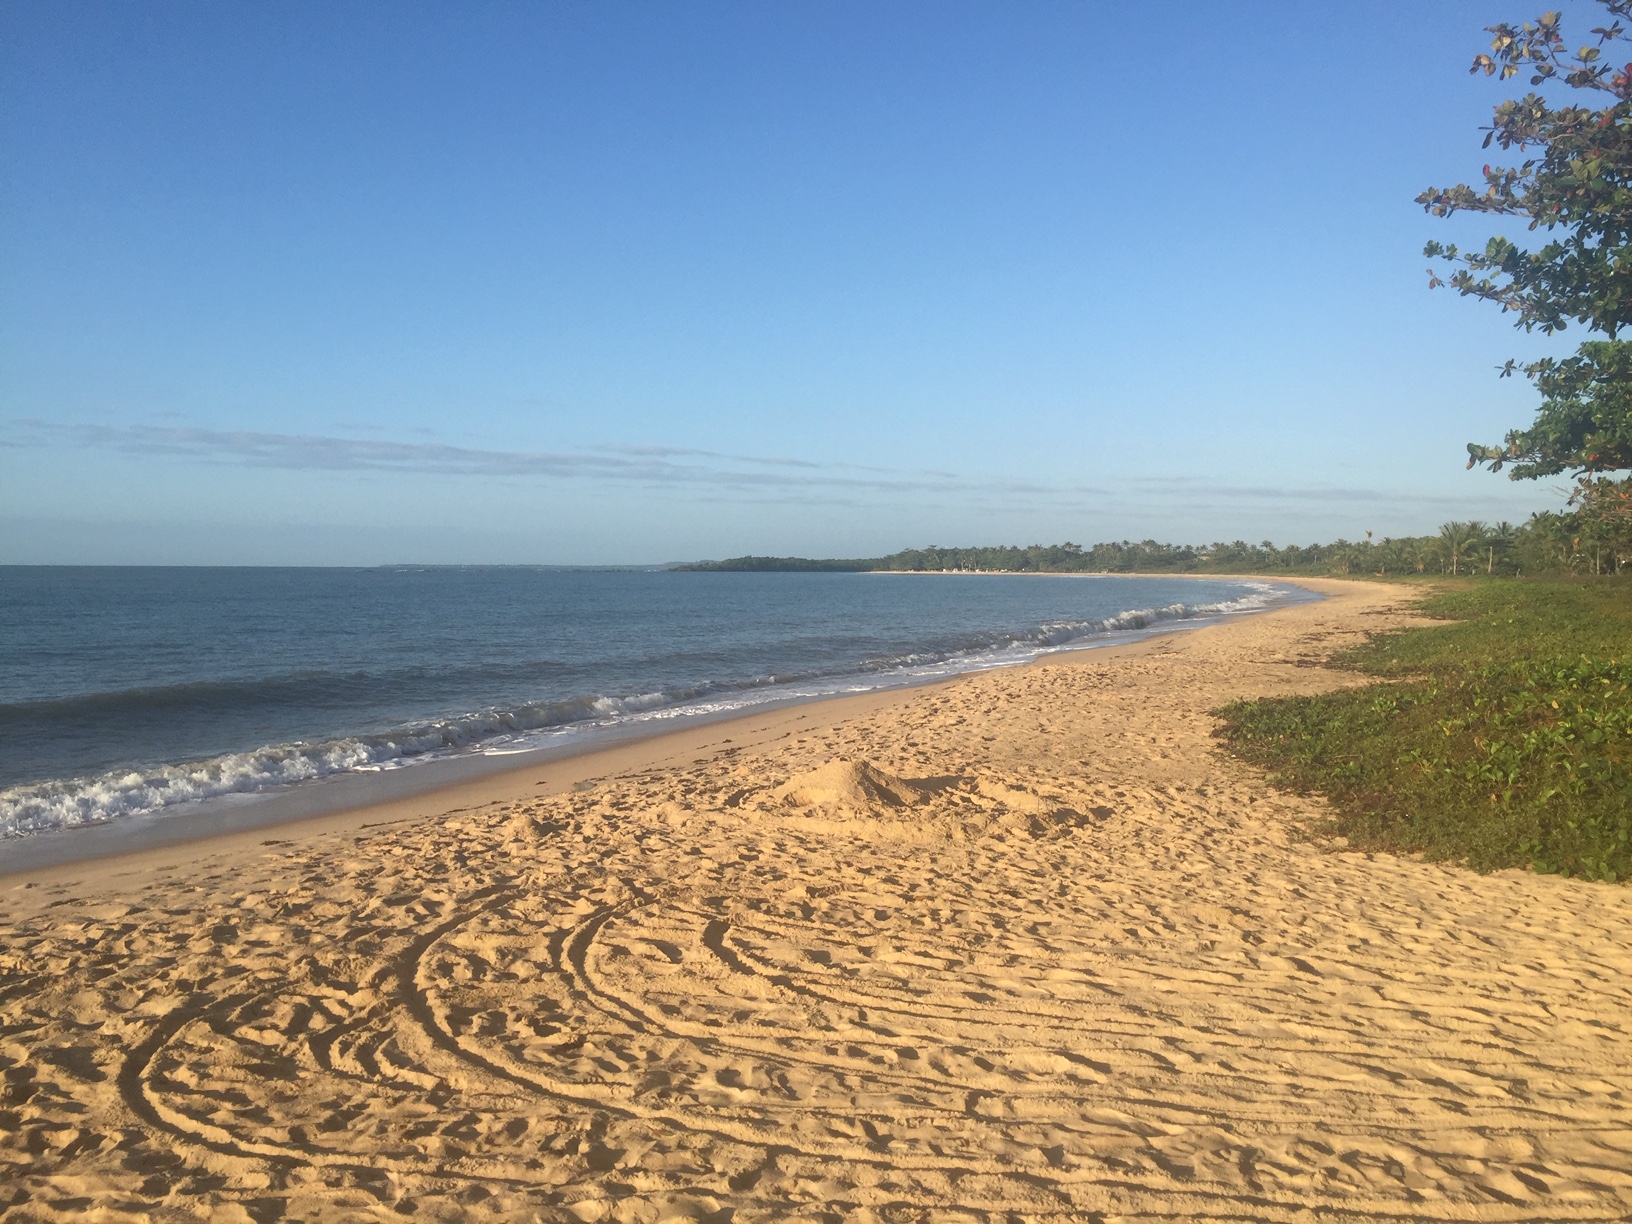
1503 738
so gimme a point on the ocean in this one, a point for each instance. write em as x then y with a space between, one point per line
131 691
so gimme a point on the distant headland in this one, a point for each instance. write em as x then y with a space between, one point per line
1145 556
1575 542
1123 557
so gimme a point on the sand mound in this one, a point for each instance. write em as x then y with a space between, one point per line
855 787
856 795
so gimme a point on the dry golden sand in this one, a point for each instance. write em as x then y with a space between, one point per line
1018 946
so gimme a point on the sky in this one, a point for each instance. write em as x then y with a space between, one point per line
619 283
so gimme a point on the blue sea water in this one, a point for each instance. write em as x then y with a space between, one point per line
126 691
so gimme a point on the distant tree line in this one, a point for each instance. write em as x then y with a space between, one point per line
1595 538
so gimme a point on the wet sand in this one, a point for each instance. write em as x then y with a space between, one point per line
1020 945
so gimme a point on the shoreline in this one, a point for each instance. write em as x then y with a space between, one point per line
147 843
417 786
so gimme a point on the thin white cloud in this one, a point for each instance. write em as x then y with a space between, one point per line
712 475
653 465
1196 491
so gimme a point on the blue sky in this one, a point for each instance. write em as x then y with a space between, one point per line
622 283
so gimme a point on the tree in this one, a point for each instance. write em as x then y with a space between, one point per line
1577 187
1550 538
1424 553
1499 541
1584 422
1395 556
1456 539
1605 521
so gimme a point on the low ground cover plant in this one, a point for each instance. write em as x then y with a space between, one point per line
1502 738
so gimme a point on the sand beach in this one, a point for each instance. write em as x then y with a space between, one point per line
1021 945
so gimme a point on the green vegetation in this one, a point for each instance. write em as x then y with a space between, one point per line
1126 557
1502 739
1506 737
1575 186
1593 539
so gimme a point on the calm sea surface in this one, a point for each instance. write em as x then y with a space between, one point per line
126 691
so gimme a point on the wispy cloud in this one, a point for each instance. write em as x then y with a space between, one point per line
687 452
705 474
1197 491
649 465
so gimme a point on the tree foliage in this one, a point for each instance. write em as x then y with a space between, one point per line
1585 419
1575 186
1594 538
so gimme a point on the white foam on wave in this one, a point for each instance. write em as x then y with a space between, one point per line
76 802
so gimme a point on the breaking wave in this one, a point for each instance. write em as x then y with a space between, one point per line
74 802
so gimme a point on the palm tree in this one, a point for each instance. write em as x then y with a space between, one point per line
1424 552
1499 539
1395 555
1553 537
1457 538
